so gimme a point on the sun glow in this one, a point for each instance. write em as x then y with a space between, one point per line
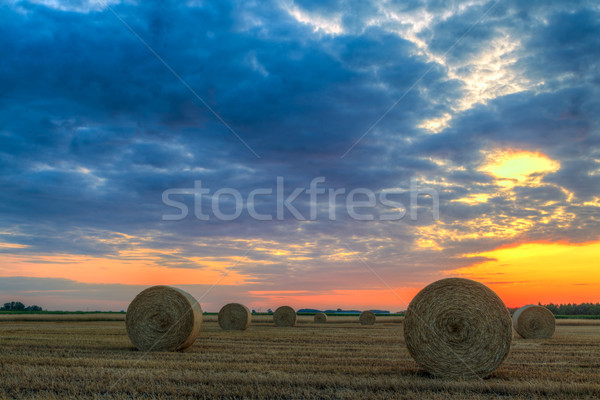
512 166
540 272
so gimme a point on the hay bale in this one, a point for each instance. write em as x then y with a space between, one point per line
320 318
458 328
234 316
284 316
534 322
367 318
163 318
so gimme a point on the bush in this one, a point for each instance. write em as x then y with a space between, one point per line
18 306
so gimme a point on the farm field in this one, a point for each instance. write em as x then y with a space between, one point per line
343 360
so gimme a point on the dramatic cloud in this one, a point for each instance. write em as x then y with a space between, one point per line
492 105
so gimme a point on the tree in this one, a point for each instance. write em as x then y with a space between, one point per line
18 306
13 306
574 309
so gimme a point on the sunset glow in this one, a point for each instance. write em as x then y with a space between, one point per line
141 271
540 272
518 166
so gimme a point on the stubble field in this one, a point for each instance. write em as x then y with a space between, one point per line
339 360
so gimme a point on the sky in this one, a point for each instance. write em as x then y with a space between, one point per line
320 154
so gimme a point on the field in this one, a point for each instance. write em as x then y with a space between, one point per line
54 359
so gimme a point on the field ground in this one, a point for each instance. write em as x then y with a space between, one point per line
256 318
94 359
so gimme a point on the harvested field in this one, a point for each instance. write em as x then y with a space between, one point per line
64 317
69 359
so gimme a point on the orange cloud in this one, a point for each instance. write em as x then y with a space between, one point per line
540 272
144 269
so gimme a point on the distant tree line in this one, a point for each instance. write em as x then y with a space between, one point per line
18 306
574 309
557 309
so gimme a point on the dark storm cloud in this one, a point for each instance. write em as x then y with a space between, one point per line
91 96
567 43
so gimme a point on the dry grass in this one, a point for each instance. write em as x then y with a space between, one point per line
301 319
320 318
64 317
285 316
578 322
367 318
234 316
57 360
163 318
534 322
458 328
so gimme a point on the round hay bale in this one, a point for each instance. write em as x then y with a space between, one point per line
534 322
457 328
284 316
320 318
234 316
367 318
163 318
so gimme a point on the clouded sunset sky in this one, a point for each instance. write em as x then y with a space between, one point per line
318 154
